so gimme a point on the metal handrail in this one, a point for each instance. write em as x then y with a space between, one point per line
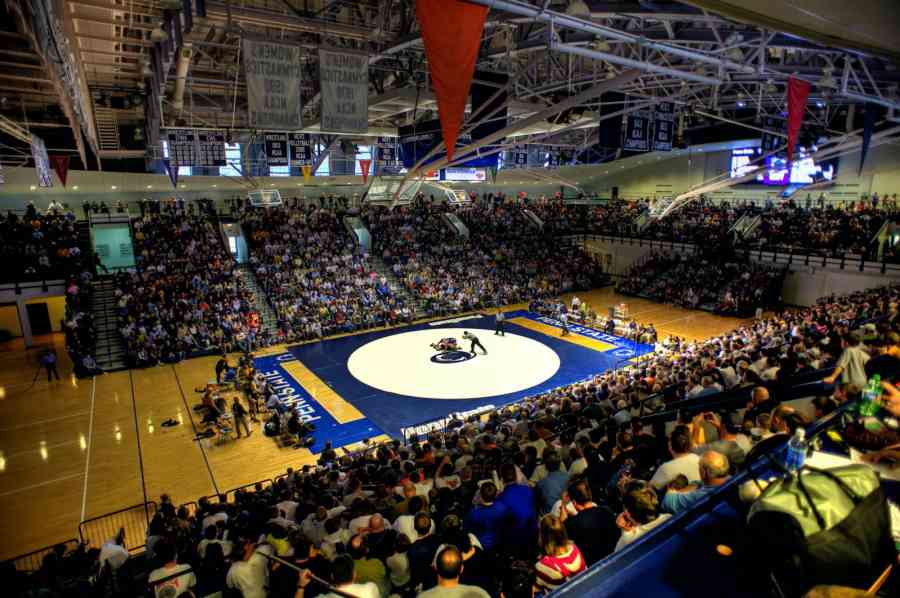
32 561
332 589
145 507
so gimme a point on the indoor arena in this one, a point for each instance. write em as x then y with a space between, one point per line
449 298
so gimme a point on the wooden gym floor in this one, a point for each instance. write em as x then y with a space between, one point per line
75 449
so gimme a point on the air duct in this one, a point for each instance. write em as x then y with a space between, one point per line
181 71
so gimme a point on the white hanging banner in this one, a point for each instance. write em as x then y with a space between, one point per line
41 161
344 81
273 71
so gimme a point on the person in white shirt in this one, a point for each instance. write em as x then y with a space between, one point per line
173 586
210 537
335 540
288 507
359 523
448 563
344 576
851 366
398 563
313 527
641 515
216 516
113 551
250 575
683 460
579 464
405 524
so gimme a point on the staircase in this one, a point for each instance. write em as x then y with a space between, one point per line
110 346
83 227
267 317
107 128
397 287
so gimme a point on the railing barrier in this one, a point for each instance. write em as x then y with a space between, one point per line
134 520
33 560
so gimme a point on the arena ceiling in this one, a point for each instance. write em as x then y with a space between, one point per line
726 60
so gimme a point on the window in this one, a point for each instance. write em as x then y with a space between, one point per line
232 160
325 166
279 171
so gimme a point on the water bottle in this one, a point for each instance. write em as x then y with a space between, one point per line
796 451
871 394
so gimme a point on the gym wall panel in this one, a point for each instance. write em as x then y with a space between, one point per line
804 285
56 306
9 319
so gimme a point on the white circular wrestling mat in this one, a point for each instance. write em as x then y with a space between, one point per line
402 364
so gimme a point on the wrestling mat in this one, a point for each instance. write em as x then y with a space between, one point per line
393 381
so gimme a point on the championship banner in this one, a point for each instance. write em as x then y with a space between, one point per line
344 83
273 72
637 131
41 161
182 146
306 169
276 149
210 148
300 146
386 151
517 157
663 126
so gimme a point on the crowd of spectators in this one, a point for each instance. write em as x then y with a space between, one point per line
504 259
184 295
807 226
821 231
719 285
39 245
527 496
320 282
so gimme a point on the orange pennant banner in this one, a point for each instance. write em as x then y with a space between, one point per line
451 30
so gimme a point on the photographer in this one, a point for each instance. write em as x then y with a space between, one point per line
48 362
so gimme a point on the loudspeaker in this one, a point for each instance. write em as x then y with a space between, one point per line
614 193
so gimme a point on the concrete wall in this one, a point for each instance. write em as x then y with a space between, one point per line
53 296
648 175
9 319
803 285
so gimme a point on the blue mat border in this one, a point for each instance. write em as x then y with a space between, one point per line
392 412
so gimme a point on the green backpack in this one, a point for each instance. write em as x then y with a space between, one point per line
822 528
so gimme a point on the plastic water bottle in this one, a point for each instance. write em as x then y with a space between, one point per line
796 451
871 394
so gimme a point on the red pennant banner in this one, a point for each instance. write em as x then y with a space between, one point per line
798 91
451 30
364 166
60 165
